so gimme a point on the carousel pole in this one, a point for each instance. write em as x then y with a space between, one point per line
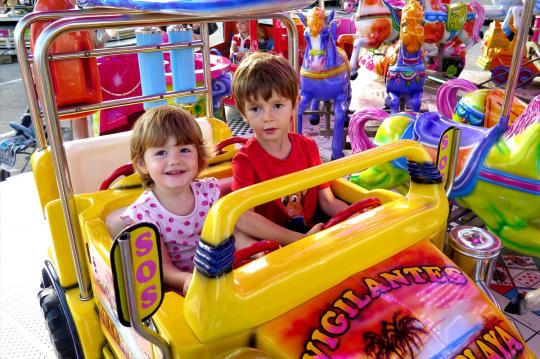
517 59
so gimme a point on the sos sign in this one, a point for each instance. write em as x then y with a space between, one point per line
146 271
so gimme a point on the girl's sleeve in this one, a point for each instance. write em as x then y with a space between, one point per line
136 214
211 186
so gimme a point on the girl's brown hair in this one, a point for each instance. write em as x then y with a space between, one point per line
154 128
259 75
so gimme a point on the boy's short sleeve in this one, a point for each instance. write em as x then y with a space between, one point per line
243 172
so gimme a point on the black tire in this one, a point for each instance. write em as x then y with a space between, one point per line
45 279
3 175
56 323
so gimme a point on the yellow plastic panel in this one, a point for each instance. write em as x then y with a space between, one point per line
45 178
220 130
172 326
87 322
268 287
350 192
60 250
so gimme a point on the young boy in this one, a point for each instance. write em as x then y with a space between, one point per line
265 88
241 41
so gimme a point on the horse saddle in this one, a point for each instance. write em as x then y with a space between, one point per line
475 141
457 16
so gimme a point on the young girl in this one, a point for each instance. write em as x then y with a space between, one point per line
168 151
241 42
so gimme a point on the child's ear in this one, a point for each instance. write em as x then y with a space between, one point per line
140 166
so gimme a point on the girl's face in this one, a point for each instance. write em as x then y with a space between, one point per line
172 167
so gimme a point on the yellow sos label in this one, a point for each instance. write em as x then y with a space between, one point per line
146 271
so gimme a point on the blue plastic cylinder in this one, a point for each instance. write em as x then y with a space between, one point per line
182 63
151 65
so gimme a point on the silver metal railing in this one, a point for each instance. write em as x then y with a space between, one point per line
67 21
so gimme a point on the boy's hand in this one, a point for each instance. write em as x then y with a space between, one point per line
316 228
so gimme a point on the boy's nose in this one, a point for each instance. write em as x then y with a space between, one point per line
268 116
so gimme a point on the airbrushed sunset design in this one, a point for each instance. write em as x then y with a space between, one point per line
416 304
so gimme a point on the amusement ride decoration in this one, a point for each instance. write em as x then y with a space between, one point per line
377 23
325 73
477 107
406 77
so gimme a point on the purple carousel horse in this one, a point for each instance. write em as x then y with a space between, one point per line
325 74
406 77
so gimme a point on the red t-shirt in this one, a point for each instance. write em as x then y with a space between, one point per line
252 164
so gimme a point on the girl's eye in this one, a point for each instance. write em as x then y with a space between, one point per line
161 153
185 150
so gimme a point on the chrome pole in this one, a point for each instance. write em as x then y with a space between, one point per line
129 285
517 59
292 39
207 70
50 113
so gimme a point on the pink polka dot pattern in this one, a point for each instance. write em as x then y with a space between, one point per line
180 234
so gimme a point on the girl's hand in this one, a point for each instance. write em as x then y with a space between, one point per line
187 282
316 228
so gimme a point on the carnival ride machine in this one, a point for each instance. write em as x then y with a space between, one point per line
451 29
374 285
497 175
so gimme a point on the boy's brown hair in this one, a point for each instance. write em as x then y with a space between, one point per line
154 128
259 75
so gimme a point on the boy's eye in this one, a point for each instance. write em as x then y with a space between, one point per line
279 105
161 152
185 150
254 109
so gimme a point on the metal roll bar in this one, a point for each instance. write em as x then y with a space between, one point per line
25 59
96 19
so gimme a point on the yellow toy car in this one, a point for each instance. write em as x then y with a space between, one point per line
376 285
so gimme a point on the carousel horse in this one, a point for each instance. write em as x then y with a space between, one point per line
444 22
325 73
406 77
476 107
377 23
497 175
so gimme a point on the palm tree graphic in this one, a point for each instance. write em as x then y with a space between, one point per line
398 338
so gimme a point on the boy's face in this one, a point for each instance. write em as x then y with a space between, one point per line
269 119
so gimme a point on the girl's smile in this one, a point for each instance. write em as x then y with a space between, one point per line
172 166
